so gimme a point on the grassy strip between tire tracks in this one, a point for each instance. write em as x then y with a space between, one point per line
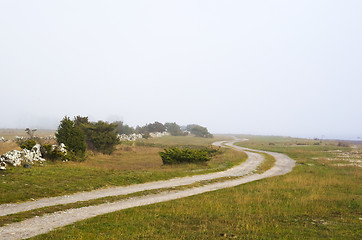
265 165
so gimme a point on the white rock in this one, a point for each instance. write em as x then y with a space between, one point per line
62 148
2 164
13 158
17 158
159 134
131 137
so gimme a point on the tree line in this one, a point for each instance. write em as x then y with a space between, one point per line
80 134
171 127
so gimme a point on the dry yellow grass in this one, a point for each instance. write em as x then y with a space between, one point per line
126 158
9 134
8 146
186 140
147 158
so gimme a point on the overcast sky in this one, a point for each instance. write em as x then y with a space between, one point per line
276 67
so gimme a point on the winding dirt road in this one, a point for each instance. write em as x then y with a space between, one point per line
38 225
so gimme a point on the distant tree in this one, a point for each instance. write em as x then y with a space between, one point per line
155 127
173 129
141 130
183 128
79 120
30 132
150 128
199 131
73 137
123 128
101 136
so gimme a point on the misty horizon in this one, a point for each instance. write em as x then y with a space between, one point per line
54 127
265 68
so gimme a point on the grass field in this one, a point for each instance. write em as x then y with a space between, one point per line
129 164
11 133
188 140
8 146
319 199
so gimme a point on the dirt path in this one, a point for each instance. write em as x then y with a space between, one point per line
34 226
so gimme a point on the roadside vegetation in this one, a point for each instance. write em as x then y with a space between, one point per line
171 127
320 198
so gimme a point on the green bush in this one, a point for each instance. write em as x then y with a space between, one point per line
27 144
45 149
150 128
342 144
100 136
80 134
175 155
50 153
73 137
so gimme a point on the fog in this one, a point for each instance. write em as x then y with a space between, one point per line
288 68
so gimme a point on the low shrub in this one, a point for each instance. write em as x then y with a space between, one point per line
342 144
27 144
175 155
52 153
